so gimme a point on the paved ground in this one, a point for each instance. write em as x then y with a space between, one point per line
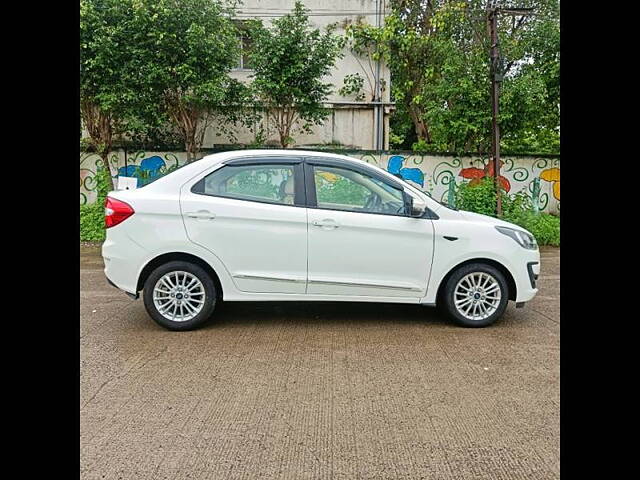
318 391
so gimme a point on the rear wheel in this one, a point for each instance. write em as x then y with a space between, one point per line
476 295
179 295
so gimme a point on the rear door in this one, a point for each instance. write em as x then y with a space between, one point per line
251 214
361 239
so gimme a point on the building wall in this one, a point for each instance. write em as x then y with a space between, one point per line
431 173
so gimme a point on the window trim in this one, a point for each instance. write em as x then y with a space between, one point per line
299 198
310 186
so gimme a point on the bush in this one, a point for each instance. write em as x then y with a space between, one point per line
516 208
478 198
92 216
92 222
545 227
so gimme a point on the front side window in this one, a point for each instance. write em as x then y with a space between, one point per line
261 183
342 189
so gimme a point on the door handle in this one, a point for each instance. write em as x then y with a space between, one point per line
328 223
202 214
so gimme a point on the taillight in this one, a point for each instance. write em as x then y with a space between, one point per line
115 212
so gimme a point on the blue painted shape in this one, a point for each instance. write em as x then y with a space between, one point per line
394 166
413 174
152 165
128 171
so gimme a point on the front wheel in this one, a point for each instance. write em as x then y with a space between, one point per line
179 295
476 295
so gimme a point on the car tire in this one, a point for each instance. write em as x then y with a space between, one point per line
479 283
165 292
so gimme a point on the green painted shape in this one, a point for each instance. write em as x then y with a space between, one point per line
535 196
451 194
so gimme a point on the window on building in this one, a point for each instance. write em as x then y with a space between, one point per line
244 61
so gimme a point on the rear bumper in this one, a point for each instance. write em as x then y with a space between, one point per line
134 296
122 261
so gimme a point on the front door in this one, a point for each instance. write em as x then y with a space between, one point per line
250 213
361 240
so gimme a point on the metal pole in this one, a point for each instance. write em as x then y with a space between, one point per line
495 96
378 91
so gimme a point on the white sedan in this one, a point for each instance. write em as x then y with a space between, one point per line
279 225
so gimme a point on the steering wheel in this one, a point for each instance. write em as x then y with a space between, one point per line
373 202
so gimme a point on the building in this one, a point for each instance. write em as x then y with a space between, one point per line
353 123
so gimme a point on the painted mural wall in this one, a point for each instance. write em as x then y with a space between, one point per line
432 174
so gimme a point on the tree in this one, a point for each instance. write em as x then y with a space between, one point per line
438 52
290 59
104 75
186 50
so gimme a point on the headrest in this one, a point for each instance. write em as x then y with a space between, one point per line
289 186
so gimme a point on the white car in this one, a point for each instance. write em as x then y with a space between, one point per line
279 225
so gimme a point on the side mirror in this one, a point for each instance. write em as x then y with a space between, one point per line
417 206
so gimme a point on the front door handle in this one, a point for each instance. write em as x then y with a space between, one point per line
202 215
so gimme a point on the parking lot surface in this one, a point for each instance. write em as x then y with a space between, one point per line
318 390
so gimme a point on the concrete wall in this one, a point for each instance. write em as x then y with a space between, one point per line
431 173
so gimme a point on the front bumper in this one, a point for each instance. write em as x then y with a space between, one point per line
526 276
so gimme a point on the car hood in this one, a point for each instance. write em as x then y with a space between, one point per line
479 218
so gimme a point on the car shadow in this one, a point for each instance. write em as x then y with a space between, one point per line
311 313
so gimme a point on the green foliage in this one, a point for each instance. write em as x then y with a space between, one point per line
516 208
341 190
92 216
353 85
438 54
257 182
478 198
157 69
290 60
420 146
544 227
92 222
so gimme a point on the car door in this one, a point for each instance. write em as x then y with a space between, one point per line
361 240
251 214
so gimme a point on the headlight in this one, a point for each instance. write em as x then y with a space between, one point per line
523 238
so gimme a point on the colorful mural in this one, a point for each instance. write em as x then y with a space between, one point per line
146 166
476 174
394 165
432 174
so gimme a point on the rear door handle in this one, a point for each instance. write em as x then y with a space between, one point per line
202 214
326 223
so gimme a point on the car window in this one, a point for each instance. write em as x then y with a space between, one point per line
343 189
270 183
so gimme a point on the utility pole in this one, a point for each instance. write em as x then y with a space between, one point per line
496 78
497 73
378 111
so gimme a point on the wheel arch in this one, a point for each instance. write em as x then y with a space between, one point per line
511 283
178 256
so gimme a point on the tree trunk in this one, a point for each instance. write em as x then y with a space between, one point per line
105 160
99 125
422 130
281 119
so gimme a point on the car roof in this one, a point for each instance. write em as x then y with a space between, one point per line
222 156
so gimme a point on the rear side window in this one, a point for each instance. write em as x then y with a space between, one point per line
259 183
